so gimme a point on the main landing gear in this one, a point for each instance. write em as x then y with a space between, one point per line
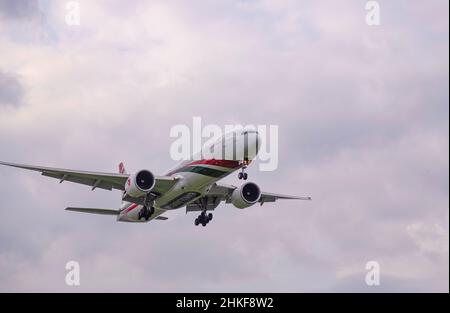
242 174
203 219
146 212
148 209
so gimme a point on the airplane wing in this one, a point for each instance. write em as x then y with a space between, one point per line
107 212
222 192
107 181
94 211
226 190
272 197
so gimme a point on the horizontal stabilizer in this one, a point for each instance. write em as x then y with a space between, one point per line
161 218
95 211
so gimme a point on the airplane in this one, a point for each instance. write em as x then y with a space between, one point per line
193 183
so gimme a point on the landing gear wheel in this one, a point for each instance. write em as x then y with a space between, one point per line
203 219
240 175
149 213
146 213
147 209
245 176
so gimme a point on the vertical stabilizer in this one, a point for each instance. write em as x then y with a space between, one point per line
123 172
122 168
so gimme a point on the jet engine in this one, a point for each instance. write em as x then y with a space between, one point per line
140 183
246 195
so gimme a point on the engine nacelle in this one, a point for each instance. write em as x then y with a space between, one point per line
140 183
246 195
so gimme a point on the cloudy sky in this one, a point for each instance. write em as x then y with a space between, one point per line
363 128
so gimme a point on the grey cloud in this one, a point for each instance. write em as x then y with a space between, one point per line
18 9
11 90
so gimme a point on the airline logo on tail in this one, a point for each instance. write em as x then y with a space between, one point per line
122 168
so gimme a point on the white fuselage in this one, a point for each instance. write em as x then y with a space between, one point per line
196 176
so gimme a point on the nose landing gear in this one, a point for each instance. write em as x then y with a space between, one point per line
242 174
